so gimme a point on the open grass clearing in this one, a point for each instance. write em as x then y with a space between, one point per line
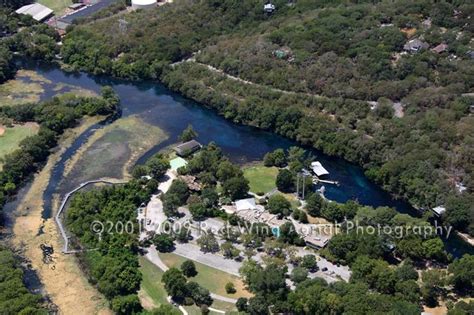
261 178
10 138
295 203
210 278
58 6
152 292
151 282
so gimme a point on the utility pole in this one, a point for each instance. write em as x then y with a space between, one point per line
304 183
297 184
302 177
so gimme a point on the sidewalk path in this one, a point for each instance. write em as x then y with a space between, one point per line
153 257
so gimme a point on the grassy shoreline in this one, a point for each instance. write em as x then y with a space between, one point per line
112 151
60 277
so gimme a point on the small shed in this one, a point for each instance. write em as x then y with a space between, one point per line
187 148
439 210
269 8
76 6
319 169
441 48
38 11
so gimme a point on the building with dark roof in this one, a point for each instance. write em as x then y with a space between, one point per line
187 148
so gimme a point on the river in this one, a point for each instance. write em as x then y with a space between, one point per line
159 106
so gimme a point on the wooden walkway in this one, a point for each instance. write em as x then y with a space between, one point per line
63 206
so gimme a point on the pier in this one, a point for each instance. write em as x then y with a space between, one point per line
317 180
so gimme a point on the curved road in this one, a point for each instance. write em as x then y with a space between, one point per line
153 257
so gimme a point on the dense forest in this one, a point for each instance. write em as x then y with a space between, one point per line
111 258
22 35
311 70
375 287
14 296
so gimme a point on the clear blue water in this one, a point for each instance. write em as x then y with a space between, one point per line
159 106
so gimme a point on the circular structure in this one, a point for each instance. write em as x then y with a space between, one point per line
143 4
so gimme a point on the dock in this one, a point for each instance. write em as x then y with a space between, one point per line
317 180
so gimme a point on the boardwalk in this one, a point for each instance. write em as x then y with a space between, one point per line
63 206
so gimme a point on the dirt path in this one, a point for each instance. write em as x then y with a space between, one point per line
63 281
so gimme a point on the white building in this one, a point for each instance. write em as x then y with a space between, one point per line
38 11
143 4
439 210
245 204
269 8
318 169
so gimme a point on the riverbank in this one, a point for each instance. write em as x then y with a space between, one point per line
60 275
112 151
172 112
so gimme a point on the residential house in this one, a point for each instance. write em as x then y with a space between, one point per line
415 45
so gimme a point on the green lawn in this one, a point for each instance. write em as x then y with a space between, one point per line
12 137
151 282
212 279
58 6
261 178
153 287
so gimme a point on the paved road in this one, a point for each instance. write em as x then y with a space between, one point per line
87 11
154 209
333 270
193 252
153 257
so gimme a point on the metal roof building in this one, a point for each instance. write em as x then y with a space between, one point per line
318 169
38 11
143 4
439 210
245 204
187 148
